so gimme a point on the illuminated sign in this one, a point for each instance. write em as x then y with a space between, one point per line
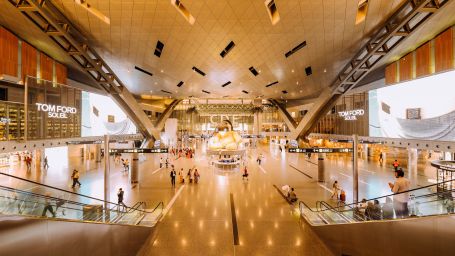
56 111
5 120
351 114
138 150
321 150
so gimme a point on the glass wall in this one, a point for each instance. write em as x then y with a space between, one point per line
418 109
101 115
52 110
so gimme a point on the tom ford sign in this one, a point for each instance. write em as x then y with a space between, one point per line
56 111
351 114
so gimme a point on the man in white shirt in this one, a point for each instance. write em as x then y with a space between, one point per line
400 201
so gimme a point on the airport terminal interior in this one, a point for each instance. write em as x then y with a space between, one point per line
227 127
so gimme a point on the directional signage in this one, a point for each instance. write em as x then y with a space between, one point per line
320 150
139 150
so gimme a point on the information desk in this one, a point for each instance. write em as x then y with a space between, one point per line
223 165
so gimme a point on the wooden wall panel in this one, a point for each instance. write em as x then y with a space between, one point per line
422 62
61 73
406 67
46 67
29 62
391 73
443 51
9 45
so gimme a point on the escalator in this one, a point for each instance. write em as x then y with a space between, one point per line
373 227
42 215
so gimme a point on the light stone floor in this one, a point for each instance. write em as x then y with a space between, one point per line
200 222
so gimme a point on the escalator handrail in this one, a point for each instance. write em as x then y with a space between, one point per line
376 198
39 195
63 190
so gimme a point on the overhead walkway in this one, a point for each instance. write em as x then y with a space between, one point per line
356 229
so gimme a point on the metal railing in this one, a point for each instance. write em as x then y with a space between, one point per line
425 204
63 204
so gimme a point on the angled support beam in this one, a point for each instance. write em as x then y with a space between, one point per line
52 22
409 16
287 118
164 116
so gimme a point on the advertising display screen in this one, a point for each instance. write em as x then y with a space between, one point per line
419 109
101 115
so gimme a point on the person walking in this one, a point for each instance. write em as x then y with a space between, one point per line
245 173
190 176
120 202
48 206
381 159
400 198
46 164
28 161
395 165
259 159
173 174
335 190
161 162
75 177
196 176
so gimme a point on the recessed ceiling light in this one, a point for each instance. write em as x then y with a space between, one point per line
156 83
161 71
301 91
151 91
325 70
297 82
259 71
292 71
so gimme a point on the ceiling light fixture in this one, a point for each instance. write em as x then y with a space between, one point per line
84 4
272 11
362 8
182 10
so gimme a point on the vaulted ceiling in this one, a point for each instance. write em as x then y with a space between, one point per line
327 26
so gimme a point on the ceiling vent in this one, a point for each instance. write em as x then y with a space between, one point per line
143 70
245 92
180 84
254 71
195 69
226 84
159 48
227 49
284 91
308 70
272 11
182 10
271 84
168 92
295 49
204 91
362 8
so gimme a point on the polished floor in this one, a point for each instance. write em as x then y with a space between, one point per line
198 217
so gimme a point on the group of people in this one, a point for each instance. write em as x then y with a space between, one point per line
291 196
182 152
191 175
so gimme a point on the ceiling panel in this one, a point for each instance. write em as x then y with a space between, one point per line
327 26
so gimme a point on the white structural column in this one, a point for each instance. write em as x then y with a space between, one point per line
321 167
412 162
134 172
98 153
38 154
355 169
107 190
